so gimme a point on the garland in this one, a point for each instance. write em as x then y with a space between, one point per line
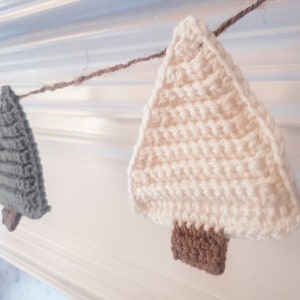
78 80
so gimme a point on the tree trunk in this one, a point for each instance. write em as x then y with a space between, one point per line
10 218
205 250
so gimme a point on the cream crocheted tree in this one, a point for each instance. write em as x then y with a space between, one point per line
209 159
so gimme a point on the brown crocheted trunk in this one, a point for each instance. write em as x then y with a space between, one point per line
10 218
205 250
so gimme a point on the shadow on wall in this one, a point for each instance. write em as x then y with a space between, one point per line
16 284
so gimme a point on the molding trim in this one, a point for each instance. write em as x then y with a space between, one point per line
82 272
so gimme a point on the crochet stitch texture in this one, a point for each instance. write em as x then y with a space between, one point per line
208 154
21 179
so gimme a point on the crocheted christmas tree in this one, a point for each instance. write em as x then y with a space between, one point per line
209 158
22 189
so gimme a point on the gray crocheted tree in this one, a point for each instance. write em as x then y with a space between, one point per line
22 189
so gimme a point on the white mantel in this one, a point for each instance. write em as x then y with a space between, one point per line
91 245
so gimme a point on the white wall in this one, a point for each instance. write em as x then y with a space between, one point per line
92 246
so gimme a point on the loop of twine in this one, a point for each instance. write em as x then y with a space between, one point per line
100 72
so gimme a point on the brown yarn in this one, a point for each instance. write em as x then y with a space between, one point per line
205 250
10 218
80 79
237 17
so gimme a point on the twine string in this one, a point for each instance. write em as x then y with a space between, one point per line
78 80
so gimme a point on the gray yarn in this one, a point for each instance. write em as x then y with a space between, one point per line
21 178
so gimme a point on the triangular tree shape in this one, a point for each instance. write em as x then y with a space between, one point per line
22 189
208 155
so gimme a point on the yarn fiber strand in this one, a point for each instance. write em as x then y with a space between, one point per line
100 72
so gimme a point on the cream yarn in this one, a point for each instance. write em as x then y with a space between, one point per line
208 154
